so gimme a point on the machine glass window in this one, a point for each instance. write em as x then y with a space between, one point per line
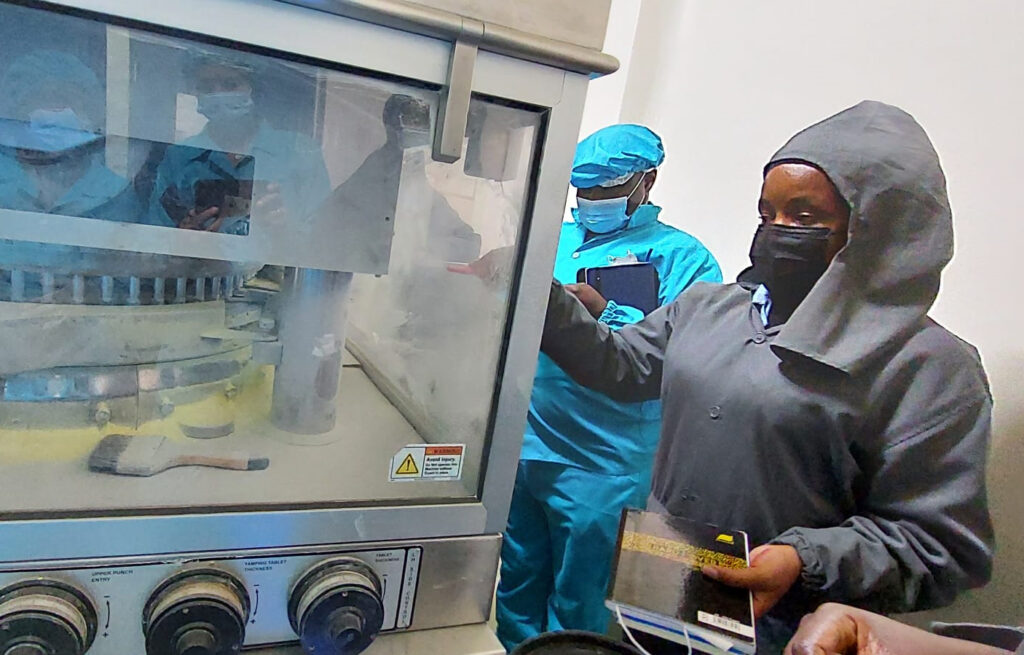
231 279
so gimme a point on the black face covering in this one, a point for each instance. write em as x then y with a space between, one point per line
789 261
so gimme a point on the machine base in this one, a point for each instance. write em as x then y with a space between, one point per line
477 639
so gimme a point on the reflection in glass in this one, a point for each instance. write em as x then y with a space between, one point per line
52 141
327 370
236 157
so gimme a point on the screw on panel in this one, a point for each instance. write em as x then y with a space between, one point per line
166 407
158 291
18 286
78 289
179 295
107 289
230 390
134 291
101 415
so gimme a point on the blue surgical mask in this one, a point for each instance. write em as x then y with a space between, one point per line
48 131
604 216
227 106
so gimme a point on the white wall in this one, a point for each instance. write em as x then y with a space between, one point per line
727 82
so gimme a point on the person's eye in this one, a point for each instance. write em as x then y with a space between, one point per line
807 217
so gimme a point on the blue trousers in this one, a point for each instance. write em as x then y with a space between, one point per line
557 553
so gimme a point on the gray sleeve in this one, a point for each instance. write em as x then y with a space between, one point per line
626 364
922 532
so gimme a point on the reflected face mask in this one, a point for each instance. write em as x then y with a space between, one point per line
48 134
604 216
226 106
789 261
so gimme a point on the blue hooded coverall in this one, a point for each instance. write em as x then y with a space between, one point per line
289 159
98 192
586 457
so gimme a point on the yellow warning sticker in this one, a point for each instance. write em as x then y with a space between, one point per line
435 462
725 539
408 466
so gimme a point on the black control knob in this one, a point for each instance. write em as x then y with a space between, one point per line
197 612
336 608
45 617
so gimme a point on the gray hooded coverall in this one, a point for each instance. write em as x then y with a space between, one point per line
856 432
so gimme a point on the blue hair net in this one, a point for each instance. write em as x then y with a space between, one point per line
611 155
29 73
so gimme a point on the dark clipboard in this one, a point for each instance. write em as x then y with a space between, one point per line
636 285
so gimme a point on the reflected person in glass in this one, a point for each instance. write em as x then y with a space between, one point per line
238 165
425 241
52 141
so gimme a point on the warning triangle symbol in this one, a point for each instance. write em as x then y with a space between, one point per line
408 467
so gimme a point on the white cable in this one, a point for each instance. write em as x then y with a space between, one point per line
632 640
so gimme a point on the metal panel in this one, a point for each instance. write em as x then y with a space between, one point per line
462 640
451 584
498 38
39 540
280 26
581 23
528 321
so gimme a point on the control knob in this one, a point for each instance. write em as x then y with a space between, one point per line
197 612
45 617
336 608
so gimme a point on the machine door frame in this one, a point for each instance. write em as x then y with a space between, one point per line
272 24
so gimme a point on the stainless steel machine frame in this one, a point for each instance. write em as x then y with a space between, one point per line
459 55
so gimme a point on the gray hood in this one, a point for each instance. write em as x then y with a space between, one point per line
881 285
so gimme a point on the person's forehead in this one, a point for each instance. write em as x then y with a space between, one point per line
798 177
610 191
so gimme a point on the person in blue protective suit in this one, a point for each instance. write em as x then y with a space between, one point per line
585 456
52 143
238 165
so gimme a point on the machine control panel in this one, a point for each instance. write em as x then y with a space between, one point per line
332 602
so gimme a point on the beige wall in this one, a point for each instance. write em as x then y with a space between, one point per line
726 82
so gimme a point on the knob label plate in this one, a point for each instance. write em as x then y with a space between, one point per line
269 581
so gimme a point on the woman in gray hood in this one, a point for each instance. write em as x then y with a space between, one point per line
814 404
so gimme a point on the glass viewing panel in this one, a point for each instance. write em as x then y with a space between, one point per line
122 359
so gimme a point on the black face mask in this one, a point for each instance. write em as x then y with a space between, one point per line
789 261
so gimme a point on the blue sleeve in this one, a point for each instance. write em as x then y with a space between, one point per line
685 264
616 316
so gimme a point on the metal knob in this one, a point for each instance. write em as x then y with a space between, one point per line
197 612
26 649
336 608
41 617
345 627
197 641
